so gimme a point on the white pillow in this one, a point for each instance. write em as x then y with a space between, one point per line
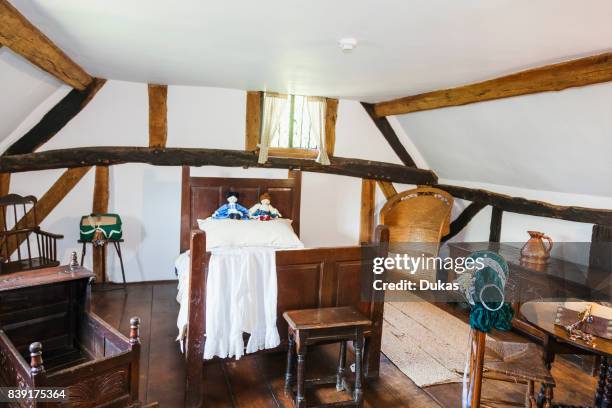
239 233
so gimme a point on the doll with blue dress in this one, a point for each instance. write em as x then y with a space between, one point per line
232 210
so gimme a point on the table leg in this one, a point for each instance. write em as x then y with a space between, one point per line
358 346
341 367
545 395
290 357
601 384
118 249
300 398
607 396
83 253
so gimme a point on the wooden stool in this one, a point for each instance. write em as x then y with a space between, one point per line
332 324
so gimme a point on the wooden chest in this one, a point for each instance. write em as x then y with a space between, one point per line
49 338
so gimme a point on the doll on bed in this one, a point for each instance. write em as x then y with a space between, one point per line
263 210
232 210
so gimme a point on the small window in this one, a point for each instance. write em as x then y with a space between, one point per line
291 125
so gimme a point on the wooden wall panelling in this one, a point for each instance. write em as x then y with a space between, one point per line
17 33
496 224
100 206
253 120
55 119
387 188
366 224
389 134
87 156
579 72
331 114
158 115
50 200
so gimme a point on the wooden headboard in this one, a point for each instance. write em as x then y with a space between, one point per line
201 196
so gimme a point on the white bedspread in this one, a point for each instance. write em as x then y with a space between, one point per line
241 298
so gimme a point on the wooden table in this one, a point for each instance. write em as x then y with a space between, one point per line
557 341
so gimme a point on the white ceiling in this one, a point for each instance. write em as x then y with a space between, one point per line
405 46
557 141
24 87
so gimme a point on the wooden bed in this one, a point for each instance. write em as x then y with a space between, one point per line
307 278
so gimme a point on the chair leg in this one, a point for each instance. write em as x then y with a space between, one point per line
529 397
83 253
290 359
358 346
300 398
341 367
118 249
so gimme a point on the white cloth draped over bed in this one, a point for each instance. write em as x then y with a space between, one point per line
241 296
241 290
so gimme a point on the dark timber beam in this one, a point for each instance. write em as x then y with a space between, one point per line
531 207
55 119
496 225
556 77
389 134
90 156
463 219
17 33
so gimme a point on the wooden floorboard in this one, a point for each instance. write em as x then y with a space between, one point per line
258 381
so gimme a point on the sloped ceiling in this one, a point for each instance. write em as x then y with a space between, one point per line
550 141
554 141
405 46
24 87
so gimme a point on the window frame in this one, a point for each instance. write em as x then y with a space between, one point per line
254 110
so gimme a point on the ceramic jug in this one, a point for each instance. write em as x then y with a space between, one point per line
536 251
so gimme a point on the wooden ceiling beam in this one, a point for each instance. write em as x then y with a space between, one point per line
89 156
55 119
21 36
555 77
530 207
158 115
389 134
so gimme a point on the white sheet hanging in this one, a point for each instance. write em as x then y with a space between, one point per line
241 294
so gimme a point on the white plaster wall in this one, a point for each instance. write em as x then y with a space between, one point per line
148 197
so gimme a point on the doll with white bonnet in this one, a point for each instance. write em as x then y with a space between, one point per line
263 210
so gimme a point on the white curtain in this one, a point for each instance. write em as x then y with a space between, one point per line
274 106
316 110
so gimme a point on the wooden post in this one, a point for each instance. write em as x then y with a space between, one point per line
366 226
253 120
496 225
158 116
331 114
36 361
100 206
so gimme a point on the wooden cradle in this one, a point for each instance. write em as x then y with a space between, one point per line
49 338
307 278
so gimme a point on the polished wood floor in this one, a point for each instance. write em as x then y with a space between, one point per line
257 381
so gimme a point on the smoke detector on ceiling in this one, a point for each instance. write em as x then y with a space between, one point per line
347 44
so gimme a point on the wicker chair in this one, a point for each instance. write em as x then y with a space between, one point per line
23 245
418 215
417 220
